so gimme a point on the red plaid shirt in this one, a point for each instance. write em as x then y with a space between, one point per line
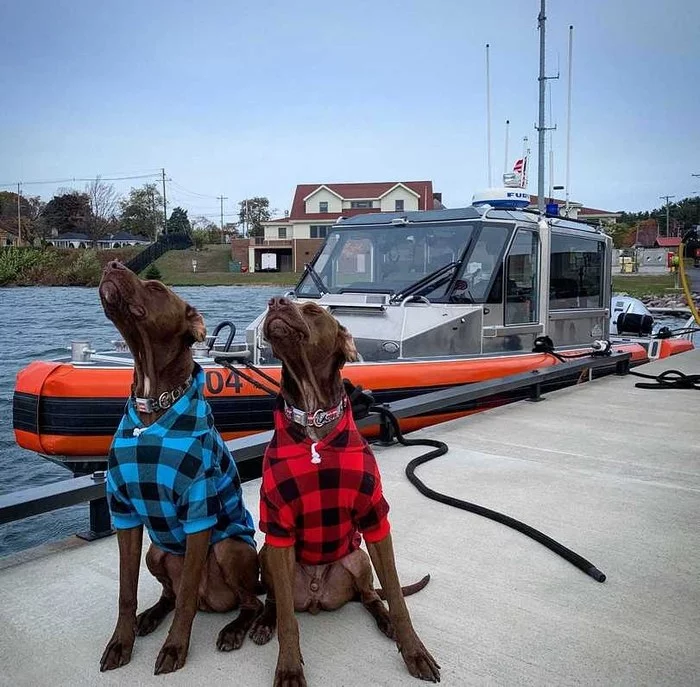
321 508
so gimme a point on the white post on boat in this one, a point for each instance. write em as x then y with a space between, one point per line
505 160
541 126
568 126
526 161
488 114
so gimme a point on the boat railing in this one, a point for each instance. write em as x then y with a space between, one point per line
26 503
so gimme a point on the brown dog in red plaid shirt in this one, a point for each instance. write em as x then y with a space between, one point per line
321 488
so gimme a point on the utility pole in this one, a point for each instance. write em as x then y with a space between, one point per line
668 207
165 205
222 199
19 214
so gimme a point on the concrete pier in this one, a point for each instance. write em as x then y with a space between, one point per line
611 471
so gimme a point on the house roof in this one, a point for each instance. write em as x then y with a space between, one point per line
73 236
125 236
668 241
363 190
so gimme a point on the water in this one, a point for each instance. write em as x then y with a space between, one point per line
39 323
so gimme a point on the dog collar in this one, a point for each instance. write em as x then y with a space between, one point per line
317 418
164 401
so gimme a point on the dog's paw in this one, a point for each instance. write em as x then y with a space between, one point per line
290 678
146 622
261 633
419 661
172 657
117 653
231 637
384 624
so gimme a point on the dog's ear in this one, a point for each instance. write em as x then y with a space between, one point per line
346 346
196 324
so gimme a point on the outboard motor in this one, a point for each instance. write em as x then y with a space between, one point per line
630 316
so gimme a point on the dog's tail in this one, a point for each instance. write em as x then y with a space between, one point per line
406 591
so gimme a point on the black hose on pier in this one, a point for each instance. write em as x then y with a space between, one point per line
440 448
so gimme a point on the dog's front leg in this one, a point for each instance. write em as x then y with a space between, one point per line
417 658
281 562
174 652
119 647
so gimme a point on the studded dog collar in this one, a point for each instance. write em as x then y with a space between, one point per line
316 418
164 401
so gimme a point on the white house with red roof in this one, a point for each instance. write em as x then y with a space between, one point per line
317 206
294 239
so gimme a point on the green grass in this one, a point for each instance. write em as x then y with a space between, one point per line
637 285
212 270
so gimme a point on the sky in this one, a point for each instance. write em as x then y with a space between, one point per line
246 99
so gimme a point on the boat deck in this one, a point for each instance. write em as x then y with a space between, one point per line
611 471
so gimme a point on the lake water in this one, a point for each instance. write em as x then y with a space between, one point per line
39 323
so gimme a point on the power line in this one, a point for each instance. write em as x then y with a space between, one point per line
180 187
68 180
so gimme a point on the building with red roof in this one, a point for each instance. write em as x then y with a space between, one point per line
295 238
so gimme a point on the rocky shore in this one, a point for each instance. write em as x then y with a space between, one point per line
671 302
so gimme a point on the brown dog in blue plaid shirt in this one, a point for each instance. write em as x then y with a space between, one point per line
170 471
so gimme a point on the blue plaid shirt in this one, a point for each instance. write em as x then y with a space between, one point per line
176 476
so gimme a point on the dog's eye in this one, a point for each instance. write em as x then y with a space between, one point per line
154 286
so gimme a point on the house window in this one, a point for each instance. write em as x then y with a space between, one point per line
318 231
323 206
521 279
398 205
282 233
575 273
357 204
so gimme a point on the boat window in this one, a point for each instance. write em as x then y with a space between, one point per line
576 272
521 278
387 259
481 277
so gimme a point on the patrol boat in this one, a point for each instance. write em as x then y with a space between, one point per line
432 298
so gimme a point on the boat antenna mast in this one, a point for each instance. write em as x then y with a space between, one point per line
541 127
568 128
488 114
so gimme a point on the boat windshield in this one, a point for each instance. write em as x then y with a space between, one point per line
387 259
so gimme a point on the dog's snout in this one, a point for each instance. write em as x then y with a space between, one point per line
115 265
277 303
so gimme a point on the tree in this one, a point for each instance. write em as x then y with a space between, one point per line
253 212
209 231
30 209
142 211
104 202
178 223
68 210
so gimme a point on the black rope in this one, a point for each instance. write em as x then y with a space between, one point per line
440 448
668 379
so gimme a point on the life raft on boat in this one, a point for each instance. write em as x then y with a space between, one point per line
66 410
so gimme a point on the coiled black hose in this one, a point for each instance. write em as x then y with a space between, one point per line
668 379
440 448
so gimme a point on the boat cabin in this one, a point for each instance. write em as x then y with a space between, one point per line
459 282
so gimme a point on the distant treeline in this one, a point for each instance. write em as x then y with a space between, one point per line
56 267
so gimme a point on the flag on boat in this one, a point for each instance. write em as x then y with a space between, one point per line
519 166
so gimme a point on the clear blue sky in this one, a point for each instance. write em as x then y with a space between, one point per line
251 98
